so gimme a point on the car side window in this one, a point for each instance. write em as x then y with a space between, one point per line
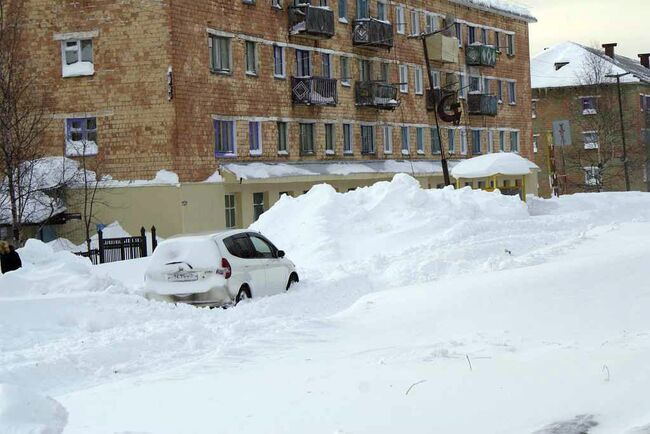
262 248
240 246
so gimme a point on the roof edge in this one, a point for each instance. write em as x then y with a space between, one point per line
471 4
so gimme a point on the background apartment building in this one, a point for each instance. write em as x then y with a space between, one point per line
570 82
272 95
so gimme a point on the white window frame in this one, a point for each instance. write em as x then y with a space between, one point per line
415 23
343 18
512 93
233 137
591 144
405 144
329 71
258 151
431 22
229 209
345 80
400 19
536 143
332 150
387 132
419 81
348 136
211 38
515 148
490 141
283 62
592 174
251 72
419 140
385 9
80 68
463 141
404 78
285 137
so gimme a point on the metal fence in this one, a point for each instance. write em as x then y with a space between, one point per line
120 249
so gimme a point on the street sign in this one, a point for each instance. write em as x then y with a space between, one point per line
562 133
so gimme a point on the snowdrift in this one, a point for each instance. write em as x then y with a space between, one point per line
25 412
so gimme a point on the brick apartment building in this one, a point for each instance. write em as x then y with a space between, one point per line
273 96
570 83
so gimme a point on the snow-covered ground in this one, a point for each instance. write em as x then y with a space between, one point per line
418 311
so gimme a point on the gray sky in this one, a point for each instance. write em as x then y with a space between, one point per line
590 22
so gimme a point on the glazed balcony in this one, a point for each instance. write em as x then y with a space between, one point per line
372 33
376 94
482 105
314 91
481 55
315 22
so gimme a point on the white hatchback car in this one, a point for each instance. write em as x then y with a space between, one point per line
218 269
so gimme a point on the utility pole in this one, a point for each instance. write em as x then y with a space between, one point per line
443 157
620 109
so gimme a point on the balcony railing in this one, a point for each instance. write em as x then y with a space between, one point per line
483 105
314 91
372 33
311 21
481 55
376 94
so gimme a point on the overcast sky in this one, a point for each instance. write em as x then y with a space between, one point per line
591 22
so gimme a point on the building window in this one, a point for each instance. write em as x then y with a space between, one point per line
500 91
326 65
329 139
403 79
471 34
502 141
231 216
303 63
219 53
347 139
384 72
430 23
279 68
365 73
405 141
388 139
307 139
490 143
459 34
435 141
461 85
487 86
512 93
81 137
251 58
282 138
362 9
592 175
535 144
511 45
419 140
463 141
255 138
415 23
484 36
224 138
451 140
474 84
345 71
476 142
367 139
418 80
77 57
588 105
534 109
382 10
401 19
590 139
258 205
497 41
514 141
343 11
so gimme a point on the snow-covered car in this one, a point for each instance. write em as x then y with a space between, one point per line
218 269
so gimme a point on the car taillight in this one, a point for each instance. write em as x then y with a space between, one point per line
226 270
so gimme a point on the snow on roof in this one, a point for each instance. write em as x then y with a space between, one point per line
544 73
503 163
501 7
282 170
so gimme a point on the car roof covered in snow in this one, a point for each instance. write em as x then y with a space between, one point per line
209 234
502 163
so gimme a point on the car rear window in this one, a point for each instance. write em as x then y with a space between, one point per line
240 246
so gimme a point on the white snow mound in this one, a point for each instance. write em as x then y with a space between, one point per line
503 163
25 412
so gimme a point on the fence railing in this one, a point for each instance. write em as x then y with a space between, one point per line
376 94
314 90
311 21
120 249
371 32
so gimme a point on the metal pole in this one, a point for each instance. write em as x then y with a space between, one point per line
443 158
620 109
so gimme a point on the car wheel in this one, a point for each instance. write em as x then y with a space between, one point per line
292 279
243 294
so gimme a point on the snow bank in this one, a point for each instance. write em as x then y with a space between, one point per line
25 412
501 163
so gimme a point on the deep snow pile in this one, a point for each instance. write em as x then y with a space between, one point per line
25 412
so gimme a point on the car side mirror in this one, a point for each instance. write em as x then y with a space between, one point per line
281 253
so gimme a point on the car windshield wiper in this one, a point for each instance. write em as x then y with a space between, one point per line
180 262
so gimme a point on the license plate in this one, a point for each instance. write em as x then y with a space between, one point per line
183 277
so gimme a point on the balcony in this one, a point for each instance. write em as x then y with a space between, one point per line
441 48
372 33
481 55
482 105
313 22
376 94
314 91
434 97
